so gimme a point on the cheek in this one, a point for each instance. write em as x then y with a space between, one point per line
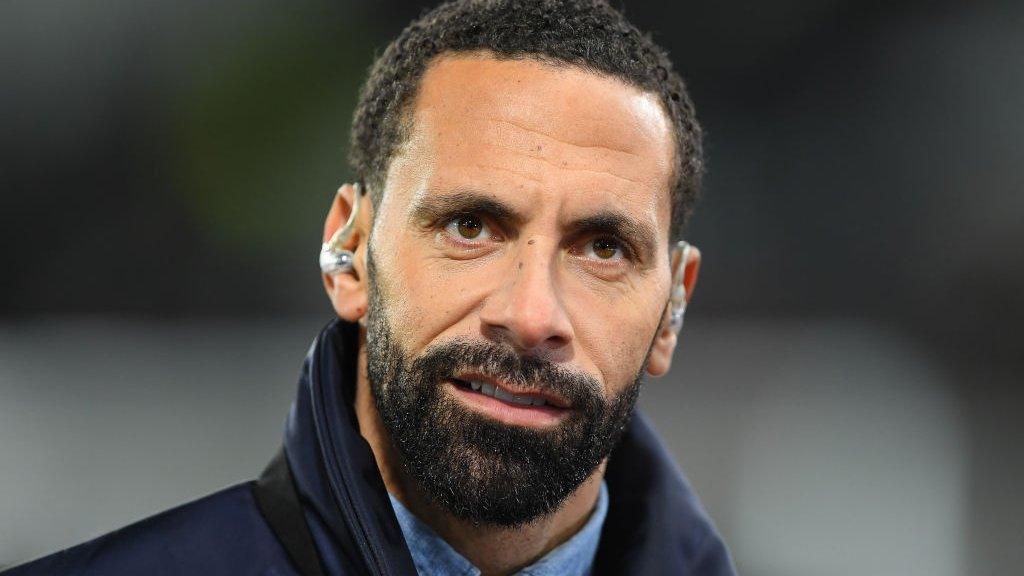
427 298
615 336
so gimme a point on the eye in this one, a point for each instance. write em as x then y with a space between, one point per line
467 227
604 249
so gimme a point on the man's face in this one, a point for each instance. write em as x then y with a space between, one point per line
518 273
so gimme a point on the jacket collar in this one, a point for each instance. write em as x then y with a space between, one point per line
655 525
334 469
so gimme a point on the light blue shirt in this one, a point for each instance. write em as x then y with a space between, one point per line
432 555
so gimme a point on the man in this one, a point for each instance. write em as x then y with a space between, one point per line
503 277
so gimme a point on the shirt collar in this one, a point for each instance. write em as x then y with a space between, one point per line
574 557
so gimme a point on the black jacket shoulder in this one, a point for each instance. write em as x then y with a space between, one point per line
220 534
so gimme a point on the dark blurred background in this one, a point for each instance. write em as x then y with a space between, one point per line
846 399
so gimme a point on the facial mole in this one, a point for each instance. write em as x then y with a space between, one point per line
520 265
531 241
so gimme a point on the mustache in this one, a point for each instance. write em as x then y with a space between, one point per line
502 362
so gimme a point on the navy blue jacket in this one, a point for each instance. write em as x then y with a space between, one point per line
655 525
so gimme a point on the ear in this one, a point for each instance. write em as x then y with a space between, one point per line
665 342
347 290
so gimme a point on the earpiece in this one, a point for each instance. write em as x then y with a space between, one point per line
677 298
333 258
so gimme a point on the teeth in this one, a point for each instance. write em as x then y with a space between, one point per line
503 395
522 400
491 390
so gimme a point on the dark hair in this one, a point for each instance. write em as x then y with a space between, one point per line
588 34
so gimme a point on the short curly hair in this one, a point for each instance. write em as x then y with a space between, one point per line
588 34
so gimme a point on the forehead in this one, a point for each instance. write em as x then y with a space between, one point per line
540 130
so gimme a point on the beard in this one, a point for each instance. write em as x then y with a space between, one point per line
476 468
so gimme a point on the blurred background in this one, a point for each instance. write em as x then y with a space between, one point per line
847 395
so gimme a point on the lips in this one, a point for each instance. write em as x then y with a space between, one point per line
507 393
515 407
488 389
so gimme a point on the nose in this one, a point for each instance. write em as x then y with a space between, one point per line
527 309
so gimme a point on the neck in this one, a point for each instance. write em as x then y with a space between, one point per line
494 550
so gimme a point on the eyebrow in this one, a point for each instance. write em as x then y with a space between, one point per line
434 207
639 235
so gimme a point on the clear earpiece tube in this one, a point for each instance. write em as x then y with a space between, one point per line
334 259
